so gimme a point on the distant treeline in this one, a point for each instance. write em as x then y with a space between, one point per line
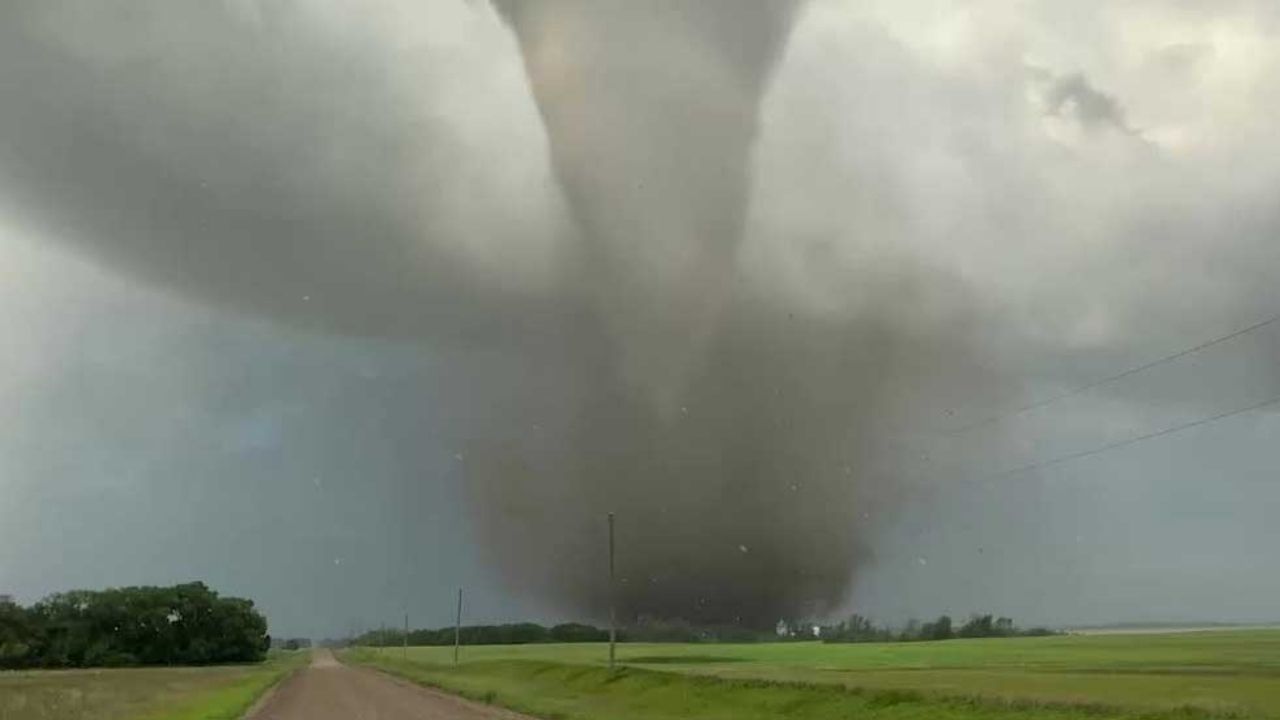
181 625
641 630
510 634
856 629
646 630
290 643
649 629
860 629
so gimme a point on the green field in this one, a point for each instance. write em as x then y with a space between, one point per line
1179 675
168 693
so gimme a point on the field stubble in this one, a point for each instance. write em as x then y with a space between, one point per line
159 693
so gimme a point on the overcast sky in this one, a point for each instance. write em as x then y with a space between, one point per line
276 279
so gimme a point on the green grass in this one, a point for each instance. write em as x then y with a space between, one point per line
1186 675
168 693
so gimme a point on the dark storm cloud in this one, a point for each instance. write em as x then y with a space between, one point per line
271 164
266 160
1090 106
719 267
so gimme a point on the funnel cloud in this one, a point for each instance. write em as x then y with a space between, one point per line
733 436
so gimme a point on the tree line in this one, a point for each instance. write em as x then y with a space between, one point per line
860 629
855 629
186 624
525 633
509 634
290 643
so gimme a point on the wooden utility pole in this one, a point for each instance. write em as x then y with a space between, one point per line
457 629
613 618
406 636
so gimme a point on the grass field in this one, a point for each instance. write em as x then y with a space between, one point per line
1183 675
207 693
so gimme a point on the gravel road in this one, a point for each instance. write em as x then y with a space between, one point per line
329 690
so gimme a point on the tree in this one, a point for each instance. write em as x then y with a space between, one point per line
939 629
577 632
179 625
16 635
978 626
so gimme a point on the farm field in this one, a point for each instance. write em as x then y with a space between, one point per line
1200 674
156 693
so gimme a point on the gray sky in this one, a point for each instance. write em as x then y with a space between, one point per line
341 310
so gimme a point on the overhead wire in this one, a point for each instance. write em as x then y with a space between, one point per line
1140 438
1094 384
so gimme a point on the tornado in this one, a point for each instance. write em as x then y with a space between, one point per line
563 229
731 436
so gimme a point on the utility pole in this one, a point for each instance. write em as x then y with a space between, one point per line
406 636
613 618
457 629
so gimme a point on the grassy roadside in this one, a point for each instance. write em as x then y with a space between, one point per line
1220 672
231 701
561 691
160 693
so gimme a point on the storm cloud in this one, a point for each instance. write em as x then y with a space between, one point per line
734 271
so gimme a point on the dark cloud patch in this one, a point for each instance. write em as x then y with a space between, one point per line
1092 108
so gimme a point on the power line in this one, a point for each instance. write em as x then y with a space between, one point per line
613 596
1113 378
1134 440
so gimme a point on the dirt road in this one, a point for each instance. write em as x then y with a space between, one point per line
329 690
